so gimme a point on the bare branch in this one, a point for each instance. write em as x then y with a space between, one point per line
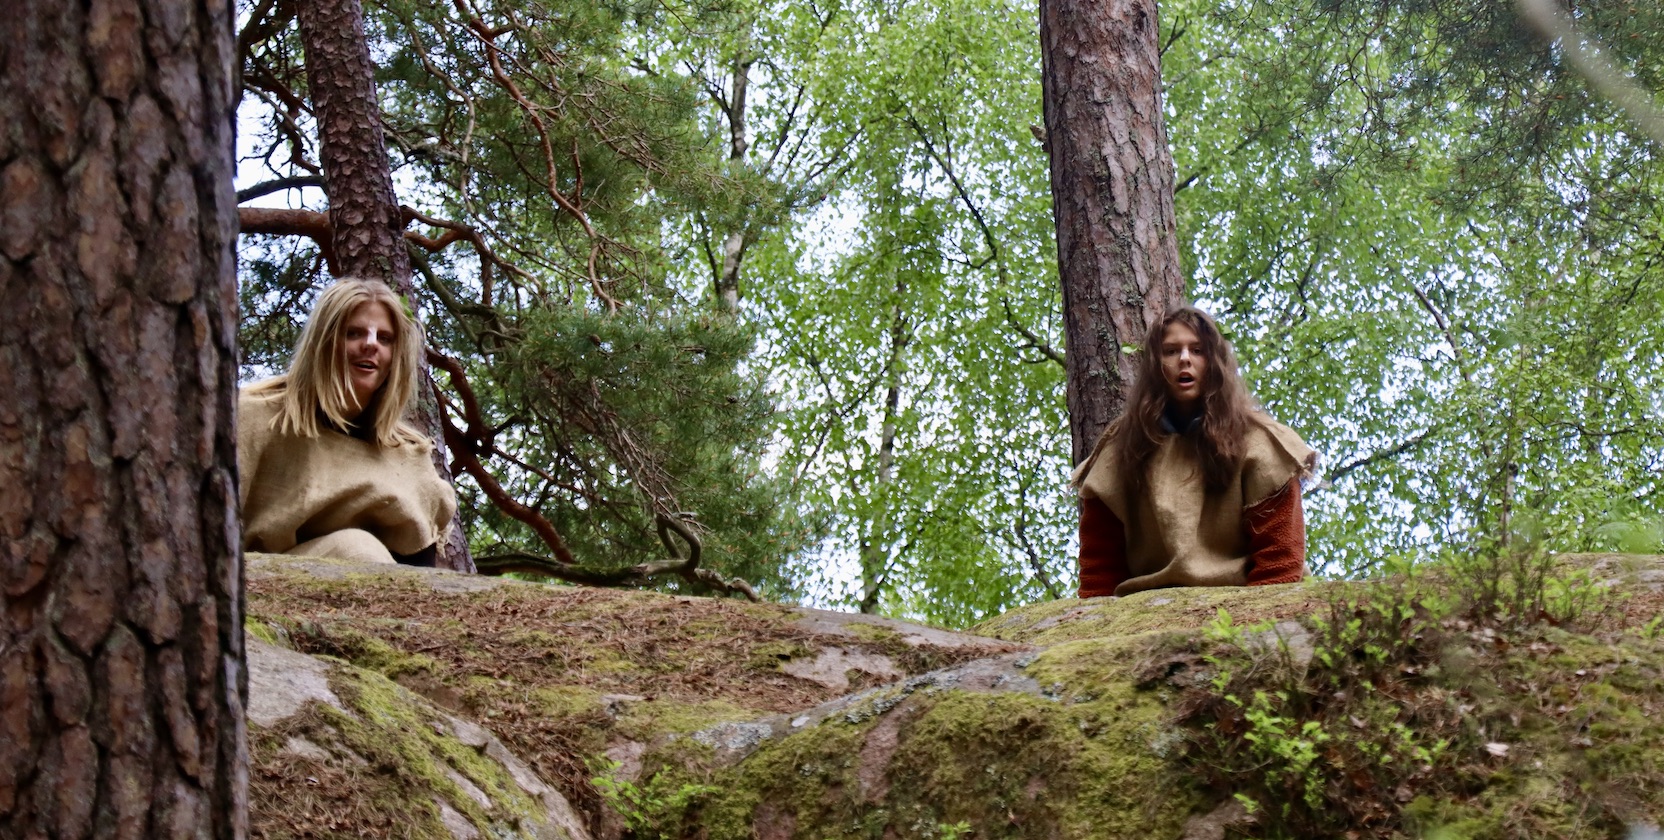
1444 327
281 222
1389 453
279 185
1034 341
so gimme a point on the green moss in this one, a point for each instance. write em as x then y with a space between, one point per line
603 661
872 632
1121 778
1436 819
649 720
1088 758
361 649
769 657
416 744
1070 619
564 700
391 758
803 775
262 631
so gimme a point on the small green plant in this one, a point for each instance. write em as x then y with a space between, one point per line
1333 743
954 831
650 811
1287 747
1653 629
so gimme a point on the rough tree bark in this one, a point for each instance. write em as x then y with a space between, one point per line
367 226
121 591
1112 195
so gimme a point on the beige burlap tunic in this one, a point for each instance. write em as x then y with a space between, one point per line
1177 532
328 495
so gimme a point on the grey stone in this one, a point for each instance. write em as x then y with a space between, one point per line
281 681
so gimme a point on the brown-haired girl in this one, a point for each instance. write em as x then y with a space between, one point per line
1191 485
328 465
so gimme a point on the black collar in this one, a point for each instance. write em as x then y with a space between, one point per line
1175 424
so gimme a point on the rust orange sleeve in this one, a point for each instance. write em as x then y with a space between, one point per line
1103 549
1276 527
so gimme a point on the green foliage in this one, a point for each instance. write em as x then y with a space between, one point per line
650 811
1335 726
1635 536
923 427
603 397
1438 257
661 397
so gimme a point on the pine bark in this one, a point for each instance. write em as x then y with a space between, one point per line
121 658
367 225
1112 193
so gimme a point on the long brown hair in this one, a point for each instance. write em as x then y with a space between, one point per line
317 381
1227 409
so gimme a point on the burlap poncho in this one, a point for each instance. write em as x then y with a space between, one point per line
294 489
1178 533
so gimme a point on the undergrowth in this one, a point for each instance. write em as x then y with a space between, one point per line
1401 691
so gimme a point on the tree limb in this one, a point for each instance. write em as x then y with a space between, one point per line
1380 455
278 185
281 222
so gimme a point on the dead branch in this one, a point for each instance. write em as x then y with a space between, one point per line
464 448
454 232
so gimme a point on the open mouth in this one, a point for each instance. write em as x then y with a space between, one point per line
1186 379
367 367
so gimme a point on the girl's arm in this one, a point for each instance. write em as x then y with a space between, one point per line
1276 527
1103 549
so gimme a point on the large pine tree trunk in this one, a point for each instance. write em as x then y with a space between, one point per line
367 227
121 591
1112 193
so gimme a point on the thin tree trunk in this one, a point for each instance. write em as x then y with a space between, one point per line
367 224
733 247
875 549
1112 193
121 587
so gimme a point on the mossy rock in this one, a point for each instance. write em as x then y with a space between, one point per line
340 751
715 719
580 679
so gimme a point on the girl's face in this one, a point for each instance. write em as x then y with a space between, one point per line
368 341
1183 367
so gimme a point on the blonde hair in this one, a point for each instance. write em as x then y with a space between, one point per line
317 381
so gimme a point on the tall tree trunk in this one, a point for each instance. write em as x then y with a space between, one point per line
121 584
1112 194
366 223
